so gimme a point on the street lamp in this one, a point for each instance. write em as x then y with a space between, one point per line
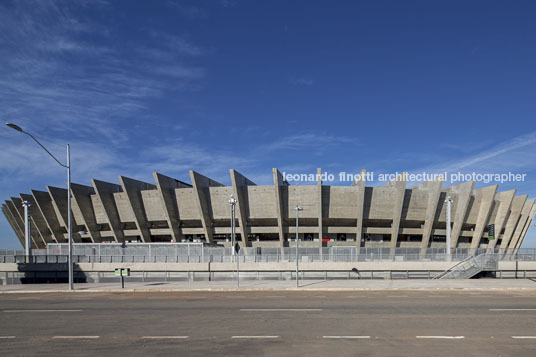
448 201
69 219
232 202
298 209
27 231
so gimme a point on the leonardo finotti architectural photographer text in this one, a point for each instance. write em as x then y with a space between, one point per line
405 176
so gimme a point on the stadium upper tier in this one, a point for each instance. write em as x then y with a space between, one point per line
387 216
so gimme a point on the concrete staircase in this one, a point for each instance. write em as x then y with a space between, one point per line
470 267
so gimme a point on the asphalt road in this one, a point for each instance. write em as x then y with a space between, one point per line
286 323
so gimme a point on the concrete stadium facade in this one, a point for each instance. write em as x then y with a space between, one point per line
389 216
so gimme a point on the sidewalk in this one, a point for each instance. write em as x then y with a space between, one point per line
288 285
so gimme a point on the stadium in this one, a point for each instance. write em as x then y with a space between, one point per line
389 217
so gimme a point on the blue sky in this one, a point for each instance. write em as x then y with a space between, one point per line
169 86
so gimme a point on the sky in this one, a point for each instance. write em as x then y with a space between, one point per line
171 86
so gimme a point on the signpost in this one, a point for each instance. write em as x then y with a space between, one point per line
122 272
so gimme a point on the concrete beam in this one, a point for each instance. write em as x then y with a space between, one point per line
13 223
82 201
133 190
486 196
105 193
399 187
44 204
166 188
279 182
320 205
504 200
525 213
432 209
464 191
515 212
360 190
38 222
201 186
240 184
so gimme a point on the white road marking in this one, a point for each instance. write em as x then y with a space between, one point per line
524 337
281 309
255 337
76 337
512 309
42 310
448 337
165 337
355 337
6 337
397 296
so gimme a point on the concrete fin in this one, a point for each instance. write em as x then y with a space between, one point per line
44 203
240 183
279 182
13 223
201 184
527 226
320 205
399 185
360 187
82 199
505 200
464 191
514 214
133 190
166 188
38 222
486 196
434 193
105 191
17 203
525 212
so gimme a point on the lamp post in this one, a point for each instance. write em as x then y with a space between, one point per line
69 219
232 203
448 201
298 209
27 231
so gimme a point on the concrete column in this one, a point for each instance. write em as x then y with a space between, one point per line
240 186
166 188
464 192
13 223
105 194
320 207
434 193
82 203
513 218
525 212
201 185
133 190
38 222
504 200
279 183
44 205
359 185
399 188
486 196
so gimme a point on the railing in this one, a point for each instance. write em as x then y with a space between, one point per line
471 266
485 261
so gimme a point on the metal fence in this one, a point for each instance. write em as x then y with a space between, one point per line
195 252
